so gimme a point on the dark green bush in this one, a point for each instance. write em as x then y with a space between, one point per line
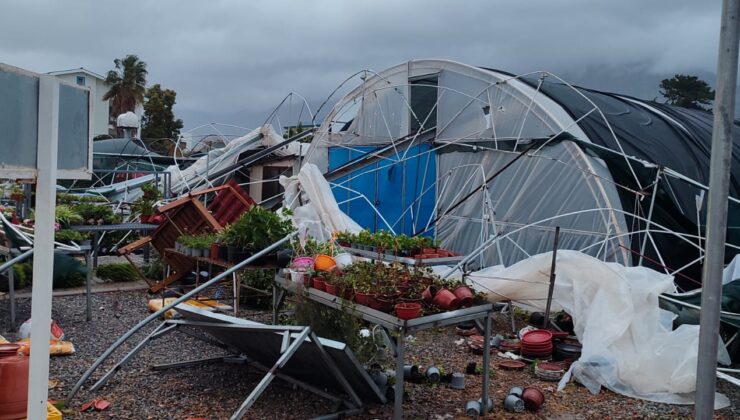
117 272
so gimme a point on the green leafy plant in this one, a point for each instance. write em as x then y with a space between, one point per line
66 235
145 204
257 229
116 272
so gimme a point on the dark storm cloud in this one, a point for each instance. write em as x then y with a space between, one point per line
234 60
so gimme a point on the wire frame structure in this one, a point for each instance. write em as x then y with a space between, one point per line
466 154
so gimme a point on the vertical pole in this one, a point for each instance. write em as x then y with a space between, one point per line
486 364
88 285
398 395
649 216
11 293
43 260
552 277
719 182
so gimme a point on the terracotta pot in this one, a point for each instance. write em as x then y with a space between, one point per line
13 382
464 295
307 281
446 300
362 298
319 284
331 288
533 398
385 304
324 263
373 302
412 300
408 310
428 293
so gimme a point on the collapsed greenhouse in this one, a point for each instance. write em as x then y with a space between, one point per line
489 164
476 156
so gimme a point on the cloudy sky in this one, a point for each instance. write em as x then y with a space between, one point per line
233 61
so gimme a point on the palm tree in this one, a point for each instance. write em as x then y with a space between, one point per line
127 84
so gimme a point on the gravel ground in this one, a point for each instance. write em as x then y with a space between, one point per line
215 391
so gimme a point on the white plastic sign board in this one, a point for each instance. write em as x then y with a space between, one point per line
19 108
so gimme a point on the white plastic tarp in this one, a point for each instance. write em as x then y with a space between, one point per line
629 345
320 216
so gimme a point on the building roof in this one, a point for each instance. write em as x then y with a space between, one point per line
77 70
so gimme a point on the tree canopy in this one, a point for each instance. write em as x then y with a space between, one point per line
686 91
159 119
127 84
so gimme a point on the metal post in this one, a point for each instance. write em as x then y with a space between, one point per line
719 181
552 277
43 261
11 295
95 240
398 394
486 363
88 285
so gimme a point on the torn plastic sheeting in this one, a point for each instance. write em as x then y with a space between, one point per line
320 216
628 343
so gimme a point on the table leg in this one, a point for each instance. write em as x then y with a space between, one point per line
235 286
95 249
398 395
11 294
88 286
486 364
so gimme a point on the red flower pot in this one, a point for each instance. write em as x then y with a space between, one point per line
214 251
373 302
464 295
330 288
412 300
446 300
362 298
533 398
319 284
385 304
406 310
428 293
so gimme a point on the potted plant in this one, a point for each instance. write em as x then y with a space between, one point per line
17 193
144 205
408 310
68 236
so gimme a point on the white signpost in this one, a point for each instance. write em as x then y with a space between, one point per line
38 114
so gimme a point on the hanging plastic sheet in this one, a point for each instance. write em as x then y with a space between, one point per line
315 211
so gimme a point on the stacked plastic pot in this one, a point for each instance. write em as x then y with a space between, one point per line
537 344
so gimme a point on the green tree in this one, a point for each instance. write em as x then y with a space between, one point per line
686 91
159 119
127 84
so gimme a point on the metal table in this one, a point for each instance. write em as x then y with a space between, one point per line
210 262
96 230
404 260
283 286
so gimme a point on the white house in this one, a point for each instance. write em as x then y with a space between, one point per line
102 122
